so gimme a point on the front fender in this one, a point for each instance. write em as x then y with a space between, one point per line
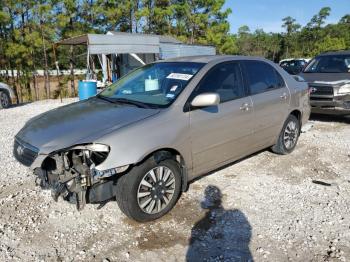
130 145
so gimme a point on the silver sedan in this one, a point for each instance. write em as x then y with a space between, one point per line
143 139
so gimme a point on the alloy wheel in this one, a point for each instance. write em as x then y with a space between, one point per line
290 135
156 189
4 100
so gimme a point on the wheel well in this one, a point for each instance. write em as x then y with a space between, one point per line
170 153
297 114
5 91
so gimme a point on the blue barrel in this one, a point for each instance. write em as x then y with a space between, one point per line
87 89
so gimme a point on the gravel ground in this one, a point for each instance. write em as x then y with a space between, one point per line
263 208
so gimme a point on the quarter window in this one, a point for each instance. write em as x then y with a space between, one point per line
262 77
280 81
224 79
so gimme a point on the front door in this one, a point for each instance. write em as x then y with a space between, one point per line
221 133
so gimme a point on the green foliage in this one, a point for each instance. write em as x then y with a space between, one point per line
329 43
297 41
290 25
29 28
318 20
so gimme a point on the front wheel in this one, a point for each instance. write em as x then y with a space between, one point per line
149 190
5 100
288 137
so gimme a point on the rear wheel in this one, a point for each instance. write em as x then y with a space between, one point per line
288 137
5 100
149 190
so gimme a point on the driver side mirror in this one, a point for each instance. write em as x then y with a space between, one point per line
206 99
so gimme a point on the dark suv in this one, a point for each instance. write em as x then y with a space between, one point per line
328 75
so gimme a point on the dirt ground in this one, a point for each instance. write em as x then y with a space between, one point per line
267 208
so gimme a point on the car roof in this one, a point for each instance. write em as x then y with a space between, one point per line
343 52
211 58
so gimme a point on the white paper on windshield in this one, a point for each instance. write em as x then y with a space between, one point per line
179 76
151 84
126 92
170 95
173 88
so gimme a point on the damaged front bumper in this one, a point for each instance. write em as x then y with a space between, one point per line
71 173
77 190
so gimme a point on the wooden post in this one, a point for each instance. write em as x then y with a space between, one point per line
47 77
57 70
71 65
15 87
35 86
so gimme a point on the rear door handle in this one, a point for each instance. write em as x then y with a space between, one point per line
244 107
284 96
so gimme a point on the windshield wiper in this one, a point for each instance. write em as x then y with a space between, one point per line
104 98
130 102
124 101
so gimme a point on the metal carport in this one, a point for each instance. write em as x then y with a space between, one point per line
120 52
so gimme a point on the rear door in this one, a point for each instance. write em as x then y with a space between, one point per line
270 97
223 132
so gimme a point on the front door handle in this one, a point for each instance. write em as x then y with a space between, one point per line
244 107
284 96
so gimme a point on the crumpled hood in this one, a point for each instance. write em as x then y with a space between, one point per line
80 122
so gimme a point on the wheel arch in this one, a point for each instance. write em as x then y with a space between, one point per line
171 153
6 92
297 113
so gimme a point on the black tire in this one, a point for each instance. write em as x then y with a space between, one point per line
5 100
129 184
282 147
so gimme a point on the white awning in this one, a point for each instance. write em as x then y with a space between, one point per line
116 44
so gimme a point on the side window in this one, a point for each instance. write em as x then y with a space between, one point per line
280 81
224 79
262 77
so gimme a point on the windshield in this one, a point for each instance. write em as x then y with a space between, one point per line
157 84
329 64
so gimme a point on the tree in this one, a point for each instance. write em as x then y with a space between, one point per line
290 25
202 21
243 31
329 43
28 29
245 40
345 20
116 15
318 20
158 16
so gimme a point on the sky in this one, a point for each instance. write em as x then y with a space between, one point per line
268 14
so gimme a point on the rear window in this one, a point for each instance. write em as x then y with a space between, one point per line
329 64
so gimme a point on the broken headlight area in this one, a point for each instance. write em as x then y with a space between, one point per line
71 174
